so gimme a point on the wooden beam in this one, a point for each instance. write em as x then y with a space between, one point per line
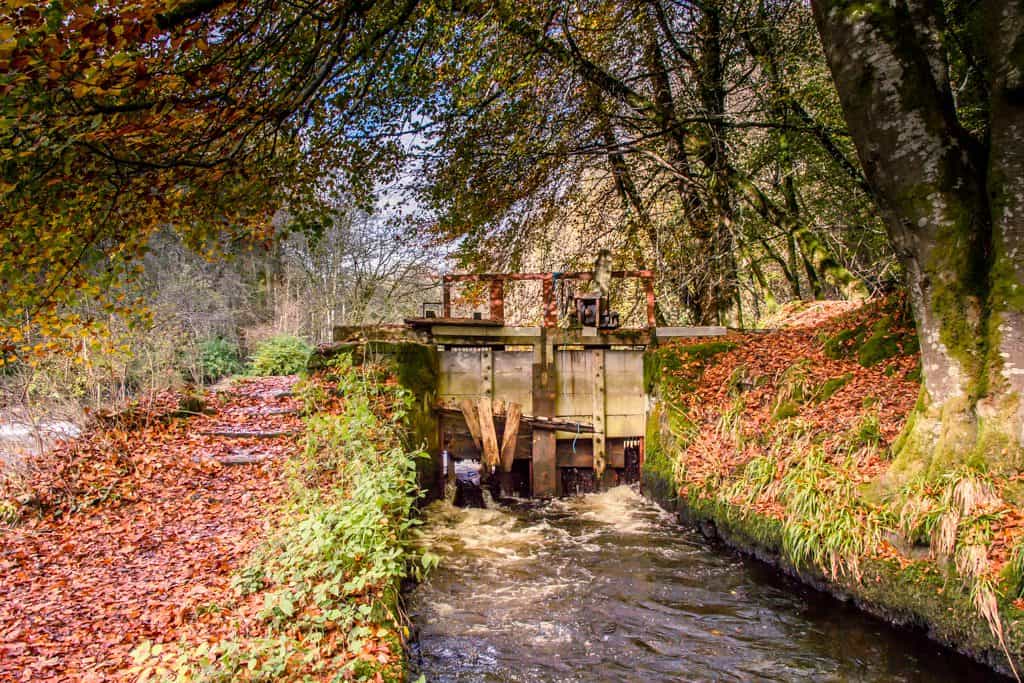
485 413
510 437
543 467
536 422
468 409
649 293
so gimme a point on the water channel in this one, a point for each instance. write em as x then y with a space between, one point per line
609 587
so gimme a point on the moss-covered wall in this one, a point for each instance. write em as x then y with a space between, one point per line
416 368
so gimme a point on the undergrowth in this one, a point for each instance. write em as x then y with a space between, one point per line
281 355
329 580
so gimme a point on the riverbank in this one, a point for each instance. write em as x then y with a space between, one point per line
265 537
776 442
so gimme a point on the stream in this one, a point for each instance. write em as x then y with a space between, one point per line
609 587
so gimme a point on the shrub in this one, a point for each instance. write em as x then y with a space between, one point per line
219 358
280 355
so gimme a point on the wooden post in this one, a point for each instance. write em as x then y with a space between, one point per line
543 465
498 300
510 438
472 421
487 374
600 452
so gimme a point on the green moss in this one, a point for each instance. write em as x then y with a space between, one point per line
417 367
844 343
323 354
913 374
881 345
830 386
658 471
891 335
867 432
785 410
673 371
658 362
707 349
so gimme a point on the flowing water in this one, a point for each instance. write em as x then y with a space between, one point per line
608 587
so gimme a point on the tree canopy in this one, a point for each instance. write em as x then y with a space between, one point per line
746 149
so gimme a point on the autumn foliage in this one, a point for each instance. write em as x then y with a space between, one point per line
793 430
147 548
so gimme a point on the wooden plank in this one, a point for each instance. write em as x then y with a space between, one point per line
625 426
472 421
543 467
578 459
510 437
513 378
485 413
459 373
484 328
569 427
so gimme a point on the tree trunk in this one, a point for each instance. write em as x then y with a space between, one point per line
954 208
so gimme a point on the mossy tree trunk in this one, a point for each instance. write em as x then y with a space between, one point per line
948 174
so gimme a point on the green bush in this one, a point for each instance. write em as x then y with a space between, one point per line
218 358
280 355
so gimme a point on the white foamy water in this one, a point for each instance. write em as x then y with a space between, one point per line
608 587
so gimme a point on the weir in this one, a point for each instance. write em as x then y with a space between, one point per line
549 410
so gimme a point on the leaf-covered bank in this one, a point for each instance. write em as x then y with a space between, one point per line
262 534
780 442
319 599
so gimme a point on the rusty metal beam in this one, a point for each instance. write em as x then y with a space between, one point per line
498 300
515 277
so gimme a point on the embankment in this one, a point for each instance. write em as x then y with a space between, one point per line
262 534
775 442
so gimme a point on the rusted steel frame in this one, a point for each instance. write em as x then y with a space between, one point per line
507 277
497 294
497 300
548 301
649 291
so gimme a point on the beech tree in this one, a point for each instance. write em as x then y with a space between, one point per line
933 94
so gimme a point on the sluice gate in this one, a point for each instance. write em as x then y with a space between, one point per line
550 410
584 406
